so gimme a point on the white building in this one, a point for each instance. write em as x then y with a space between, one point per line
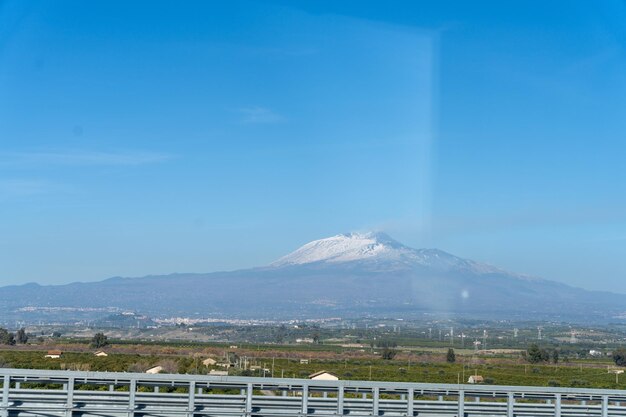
475 379
54 354
209 362
218 373
154 370
324 376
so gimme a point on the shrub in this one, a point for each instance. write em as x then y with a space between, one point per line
535 355
578 383
99 340
388 353
619 357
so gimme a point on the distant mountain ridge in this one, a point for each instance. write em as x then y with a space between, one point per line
348 275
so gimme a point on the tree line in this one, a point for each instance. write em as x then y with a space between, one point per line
9 338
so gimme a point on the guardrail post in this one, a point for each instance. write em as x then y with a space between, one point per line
69 405
132 390
6 386
191 405
305 400
249 399
375 396
557 405
340 400
461 404
510 404
409 402
605 406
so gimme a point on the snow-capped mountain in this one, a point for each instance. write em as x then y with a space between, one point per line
378 248
347 275
346 248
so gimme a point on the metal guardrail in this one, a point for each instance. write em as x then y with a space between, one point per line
69 393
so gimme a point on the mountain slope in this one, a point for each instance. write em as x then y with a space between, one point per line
346 275
378 248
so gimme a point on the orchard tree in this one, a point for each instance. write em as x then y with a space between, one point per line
21 337
619 357
99 340
388 353
535 354
6 337
451 356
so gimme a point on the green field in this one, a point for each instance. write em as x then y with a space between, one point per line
501 371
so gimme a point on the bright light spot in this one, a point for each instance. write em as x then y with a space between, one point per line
465 294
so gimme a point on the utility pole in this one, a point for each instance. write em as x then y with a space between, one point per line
485 339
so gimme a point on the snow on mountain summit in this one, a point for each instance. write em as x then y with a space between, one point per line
379 248
343 248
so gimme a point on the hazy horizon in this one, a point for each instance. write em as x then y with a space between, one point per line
155 137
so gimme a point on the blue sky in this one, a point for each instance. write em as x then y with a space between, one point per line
154 137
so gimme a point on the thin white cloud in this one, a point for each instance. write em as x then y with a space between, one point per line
258 114
81 158
26 187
